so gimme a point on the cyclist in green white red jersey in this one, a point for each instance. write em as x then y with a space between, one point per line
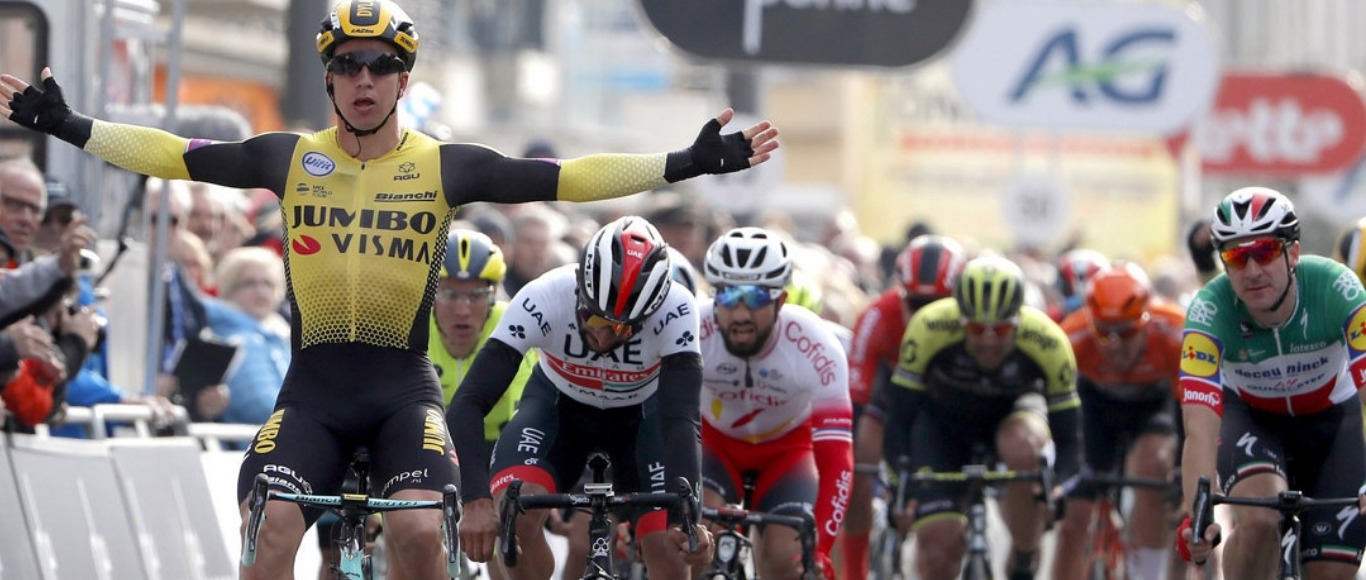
1272 358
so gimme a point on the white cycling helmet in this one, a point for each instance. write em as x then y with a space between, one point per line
748 255
625 271
1254 211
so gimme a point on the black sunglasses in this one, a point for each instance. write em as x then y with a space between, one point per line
379 63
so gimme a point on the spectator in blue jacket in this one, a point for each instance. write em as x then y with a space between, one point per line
251 286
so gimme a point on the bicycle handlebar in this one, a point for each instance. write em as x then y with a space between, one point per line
1288 502
805 525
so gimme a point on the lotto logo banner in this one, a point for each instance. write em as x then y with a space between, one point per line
1199 355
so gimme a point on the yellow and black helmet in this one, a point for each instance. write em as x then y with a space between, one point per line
471 255
378 19
990 290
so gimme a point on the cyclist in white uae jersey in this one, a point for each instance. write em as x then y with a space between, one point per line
775 400
619 372
1272 359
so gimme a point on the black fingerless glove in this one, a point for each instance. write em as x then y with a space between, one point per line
46 110
712 153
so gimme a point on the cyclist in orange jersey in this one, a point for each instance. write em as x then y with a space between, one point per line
1128 352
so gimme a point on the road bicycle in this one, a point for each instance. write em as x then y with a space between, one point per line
978 478
1108 551
1289 503
350 536
599 500
886 542
734 548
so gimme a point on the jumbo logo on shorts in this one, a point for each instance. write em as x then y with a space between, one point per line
317 164
1356 330
1199 355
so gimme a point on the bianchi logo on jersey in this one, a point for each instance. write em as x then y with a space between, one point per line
409 196
318 165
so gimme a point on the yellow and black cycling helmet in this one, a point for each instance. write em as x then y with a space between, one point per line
471 255
379 19
990 290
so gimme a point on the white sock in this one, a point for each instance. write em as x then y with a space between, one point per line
1146 563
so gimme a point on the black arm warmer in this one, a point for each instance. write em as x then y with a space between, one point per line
1067 440
493 370
679 165
75 129
9 355
680 408
902 406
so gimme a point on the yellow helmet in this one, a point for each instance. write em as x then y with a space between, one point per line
804 292
1351 248
471 255
378 19
990 290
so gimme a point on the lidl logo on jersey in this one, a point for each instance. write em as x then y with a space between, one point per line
1199 355
1356 330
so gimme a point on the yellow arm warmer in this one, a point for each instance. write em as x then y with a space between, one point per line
610 175
144 150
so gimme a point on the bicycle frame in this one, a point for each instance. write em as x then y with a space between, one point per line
599 499
1289 503
1108 550
732 543
977 558
354 508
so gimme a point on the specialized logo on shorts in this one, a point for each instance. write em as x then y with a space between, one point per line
1199 355
1356 330
318 165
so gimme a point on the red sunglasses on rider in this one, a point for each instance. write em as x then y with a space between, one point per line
379 62
1262 251
1107 332
593 322
974 328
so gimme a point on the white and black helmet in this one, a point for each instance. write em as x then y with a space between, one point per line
748 255
1254 211
624 271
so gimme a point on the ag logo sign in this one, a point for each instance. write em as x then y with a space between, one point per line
889 33
1141 68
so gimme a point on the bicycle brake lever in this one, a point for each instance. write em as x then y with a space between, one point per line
689 512
508 537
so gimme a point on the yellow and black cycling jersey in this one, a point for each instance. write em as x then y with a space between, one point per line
364 239
937 378
934 359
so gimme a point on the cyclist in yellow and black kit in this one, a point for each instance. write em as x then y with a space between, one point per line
366 205
981 369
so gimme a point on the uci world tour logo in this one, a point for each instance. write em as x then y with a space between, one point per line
318 165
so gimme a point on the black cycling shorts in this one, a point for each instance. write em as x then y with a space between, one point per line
338 398
946 442
1321 455
1108 423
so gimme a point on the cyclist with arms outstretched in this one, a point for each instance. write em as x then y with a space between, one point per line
1272 359
366 205
775 400
982 369
620 372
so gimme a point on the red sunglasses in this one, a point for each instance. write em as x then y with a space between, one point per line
996 329
1262 251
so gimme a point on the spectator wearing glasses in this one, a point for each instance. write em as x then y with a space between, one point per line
23 198
251 287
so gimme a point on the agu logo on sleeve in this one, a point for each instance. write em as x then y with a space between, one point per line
1356 330
1199 355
